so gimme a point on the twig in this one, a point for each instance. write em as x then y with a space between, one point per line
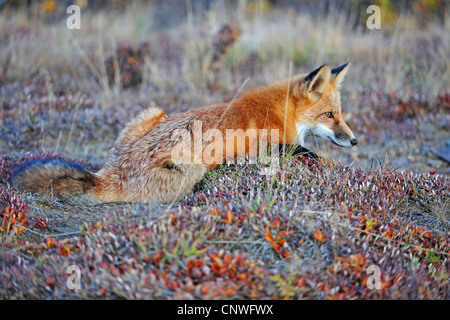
52 235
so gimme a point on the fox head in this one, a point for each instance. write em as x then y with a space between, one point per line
318 106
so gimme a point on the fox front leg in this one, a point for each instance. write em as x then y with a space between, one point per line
299 150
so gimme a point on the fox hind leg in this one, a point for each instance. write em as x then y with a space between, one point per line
170 182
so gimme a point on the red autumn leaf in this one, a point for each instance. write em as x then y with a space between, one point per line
269 237
281 234
229 292
227 259
64 251
51 282
51 242
214 256
276 247
262 208
199 263
215 267
318 235
41 223
174 219
277 223
230 216
242 276
157 257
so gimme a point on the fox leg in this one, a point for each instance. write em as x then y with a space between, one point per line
162 182
299 150
172 181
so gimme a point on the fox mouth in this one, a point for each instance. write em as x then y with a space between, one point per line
340 139
341 143
337 142
343 140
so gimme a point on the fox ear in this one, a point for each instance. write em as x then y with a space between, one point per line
314 83
338 74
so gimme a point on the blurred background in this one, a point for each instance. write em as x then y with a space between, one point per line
71 91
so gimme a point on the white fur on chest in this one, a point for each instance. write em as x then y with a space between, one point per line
303 131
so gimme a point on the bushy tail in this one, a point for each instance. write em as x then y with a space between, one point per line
54 176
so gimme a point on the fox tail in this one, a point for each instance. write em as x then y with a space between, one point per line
56 177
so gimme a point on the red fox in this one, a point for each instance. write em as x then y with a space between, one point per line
141 167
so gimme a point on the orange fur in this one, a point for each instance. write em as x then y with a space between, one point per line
140 166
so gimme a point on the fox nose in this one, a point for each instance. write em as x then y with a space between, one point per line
354 141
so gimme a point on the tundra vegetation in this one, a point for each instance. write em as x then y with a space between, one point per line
310 230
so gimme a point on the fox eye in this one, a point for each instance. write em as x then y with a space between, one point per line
329 115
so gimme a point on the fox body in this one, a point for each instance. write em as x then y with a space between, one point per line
141 166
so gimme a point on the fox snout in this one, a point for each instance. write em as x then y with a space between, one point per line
343 139
338 137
